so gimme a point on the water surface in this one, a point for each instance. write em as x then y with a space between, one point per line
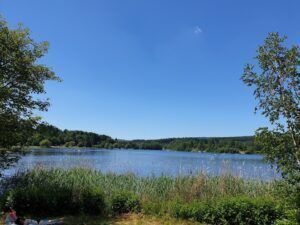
150 162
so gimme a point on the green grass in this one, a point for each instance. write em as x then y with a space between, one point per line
58 192
199 187
127 219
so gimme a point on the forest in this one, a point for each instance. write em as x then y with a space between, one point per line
47 135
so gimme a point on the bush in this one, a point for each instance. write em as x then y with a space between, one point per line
154 208
80 144
230 211
198 211
38 200
298 206
45 143
286 222
244 211
70 144
182 211
94 202
125 202
290 217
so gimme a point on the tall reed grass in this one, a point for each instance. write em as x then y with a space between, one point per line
189 188
80 190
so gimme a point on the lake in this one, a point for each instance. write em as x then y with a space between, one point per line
150 162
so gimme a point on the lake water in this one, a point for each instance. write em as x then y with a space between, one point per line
150 163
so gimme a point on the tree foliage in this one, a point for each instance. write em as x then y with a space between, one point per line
70 138
277 89
22 80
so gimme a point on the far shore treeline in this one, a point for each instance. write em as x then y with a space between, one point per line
48 135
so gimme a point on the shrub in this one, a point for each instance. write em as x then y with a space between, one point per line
290 217
286 222
153 208
298 206
80 144
199 211
125 202
45 143
182 211
234 211
94 202
6 201
38 200
203 212
70 144
41 200
230 211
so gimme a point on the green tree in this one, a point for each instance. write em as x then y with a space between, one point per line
45 143
22 79
277 89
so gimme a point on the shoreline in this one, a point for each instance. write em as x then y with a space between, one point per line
241 152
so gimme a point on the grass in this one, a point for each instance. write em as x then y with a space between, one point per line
58 192
201 187
128 219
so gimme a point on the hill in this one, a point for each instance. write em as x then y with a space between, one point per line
48 135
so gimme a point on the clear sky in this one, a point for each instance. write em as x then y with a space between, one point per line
156 68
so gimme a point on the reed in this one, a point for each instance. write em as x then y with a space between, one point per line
189 188
81 190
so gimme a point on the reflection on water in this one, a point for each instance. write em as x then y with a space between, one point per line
150 163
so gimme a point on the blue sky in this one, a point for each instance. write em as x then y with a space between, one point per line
153 69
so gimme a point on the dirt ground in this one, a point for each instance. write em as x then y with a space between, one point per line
128 219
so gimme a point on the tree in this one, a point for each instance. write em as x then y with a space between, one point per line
22 79
45 143
277 89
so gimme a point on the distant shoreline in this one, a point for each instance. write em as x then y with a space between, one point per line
47 135
242 152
